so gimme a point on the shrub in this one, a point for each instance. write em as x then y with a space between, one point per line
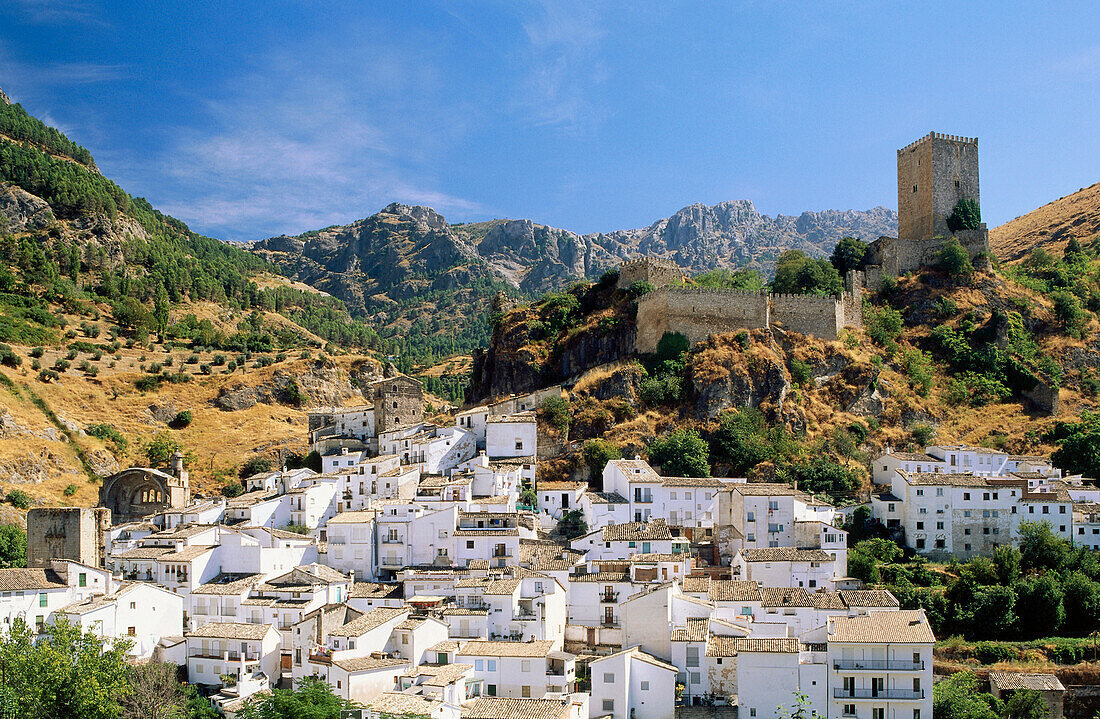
219 359
297 528
19 499
192 359
37 352
965 216
71 355
1069 313
849 254
661 389
206 369
556 412
598 452
232 489
70 490
918 368
884 326
609 277
255 465
683 453
945 308
742 338
572 524
639 288
8 358
181 420
923 434
48 375
558 310
955 261
36 365
801 372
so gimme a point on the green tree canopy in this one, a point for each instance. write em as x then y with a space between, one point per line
798 274
849 254
313 699
957 697
955 260
965 216
683 453
572 524
65 674
13 546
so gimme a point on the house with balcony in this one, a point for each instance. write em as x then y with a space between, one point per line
360 635
519 605
492 535
763 515
407 534
959 459
519 669
286 599
246 653
500 476
880 665
258 508
314 502
602 508
651 616
224 599
351 543
365 596
438 491
453 684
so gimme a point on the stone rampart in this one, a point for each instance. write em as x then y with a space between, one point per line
697 312
808 314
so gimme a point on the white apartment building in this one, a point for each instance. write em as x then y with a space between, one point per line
558 497
230 648
880 665
959 459
620 541
788 567
35 594
764 514
691 503
314 502
964 515
519 669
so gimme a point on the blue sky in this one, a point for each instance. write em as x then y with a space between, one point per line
248 119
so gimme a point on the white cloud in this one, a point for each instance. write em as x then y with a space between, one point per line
55 11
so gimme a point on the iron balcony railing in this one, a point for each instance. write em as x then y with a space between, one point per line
890 665
902 694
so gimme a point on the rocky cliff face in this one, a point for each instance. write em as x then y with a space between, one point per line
4 98
20 210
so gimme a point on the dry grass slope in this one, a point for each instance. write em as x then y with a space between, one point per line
1050 226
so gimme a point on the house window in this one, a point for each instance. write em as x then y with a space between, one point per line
83 580
42 599
609 705
491 690
131 631
525 665
608 678
645 685
525 691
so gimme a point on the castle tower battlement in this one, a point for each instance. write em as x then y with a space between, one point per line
934 174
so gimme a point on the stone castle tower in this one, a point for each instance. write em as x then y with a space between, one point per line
934 173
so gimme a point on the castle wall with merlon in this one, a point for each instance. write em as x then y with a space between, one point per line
934 173
75 533
698 312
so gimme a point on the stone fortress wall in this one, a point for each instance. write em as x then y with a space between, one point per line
697 312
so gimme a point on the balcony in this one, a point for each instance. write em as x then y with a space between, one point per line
392 540
525 617
501 553
392 561
899 694
609 597
609 623
878 665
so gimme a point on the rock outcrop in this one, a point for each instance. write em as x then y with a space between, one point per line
21 211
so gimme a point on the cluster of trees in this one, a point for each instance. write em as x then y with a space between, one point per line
20 126
1045 587
71 674
1072 282
958 697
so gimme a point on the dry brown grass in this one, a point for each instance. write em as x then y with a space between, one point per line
1050 226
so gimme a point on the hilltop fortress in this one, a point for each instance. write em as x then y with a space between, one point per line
934 174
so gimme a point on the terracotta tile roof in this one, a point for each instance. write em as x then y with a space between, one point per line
944 479
771 645
695 631
868 598
601 577
695 585
605 498
187 554
518 418
511 532
561 486
1022 680
785 554
704 482
250 498
398 704
353 517
15 580
654 529
447 645
371 620
367 664
230 630
372 590
785 597
485 648
144 553
442 674
903 626
765 489
649 557
828 600
464 612
729 590
912 457
502 708
228 583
